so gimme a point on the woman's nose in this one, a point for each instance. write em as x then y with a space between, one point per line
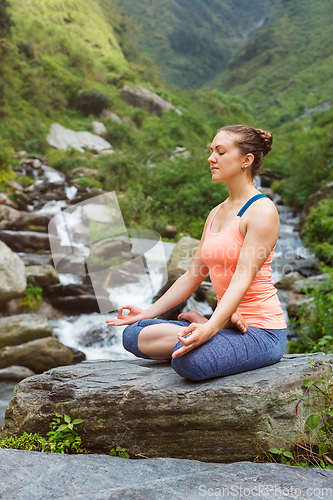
212 159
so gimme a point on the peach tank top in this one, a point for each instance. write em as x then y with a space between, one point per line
220 251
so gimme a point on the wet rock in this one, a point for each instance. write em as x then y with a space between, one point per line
15 373
141 97
181 257
15 307
7 213
147 406
22 328
78 356
306 267
298 302
63 138
12 274
288 280
42 275
79 298
111 247
35 259
5 200
20 241
38 355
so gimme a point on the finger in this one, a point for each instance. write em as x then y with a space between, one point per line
187 330
187 341
181 351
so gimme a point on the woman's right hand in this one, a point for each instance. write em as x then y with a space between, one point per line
135 314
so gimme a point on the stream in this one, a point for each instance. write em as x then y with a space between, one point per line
89 332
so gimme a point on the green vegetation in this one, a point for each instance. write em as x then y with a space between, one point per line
63 438
192 40
314 446
32 297
119 452
6 21
318 230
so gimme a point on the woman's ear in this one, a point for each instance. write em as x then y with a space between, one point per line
248 160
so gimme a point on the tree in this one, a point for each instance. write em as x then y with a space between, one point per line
6 20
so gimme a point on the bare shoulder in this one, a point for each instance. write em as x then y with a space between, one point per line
262 216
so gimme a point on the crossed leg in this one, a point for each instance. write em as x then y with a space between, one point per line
157 341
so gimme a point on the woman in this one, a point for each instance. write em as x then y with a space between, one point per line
247 329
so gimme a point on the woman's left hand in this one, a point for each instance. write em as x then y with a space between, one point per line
199 334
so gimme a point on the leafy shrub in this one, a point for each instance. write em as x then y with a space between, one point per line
89 183
314 446
32 297
92 102
6 21
318 230
316 332
63 438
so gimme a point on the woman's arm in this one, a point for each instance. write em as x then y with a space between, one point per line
181 289
261 234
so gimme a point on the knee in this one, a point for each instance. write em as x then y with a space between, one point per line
186 366
130 339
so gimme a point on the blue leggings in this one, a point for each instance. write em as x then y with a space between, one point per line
228 352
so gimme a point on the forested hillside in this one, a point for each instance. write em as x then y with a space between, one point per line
62 56
193 40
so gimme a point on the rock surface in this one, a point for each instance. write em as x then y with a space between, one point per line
38 355
141 97
28 240
15 330
12 274
145 405
28 475
63 138
42 275
181 257
15 373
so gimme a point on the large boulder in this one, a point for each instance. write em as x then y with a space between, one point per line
20 241
12 274
15 330
181 257
15 373
38 355
146 406
63 138
24 221
28 475
42 275
141 97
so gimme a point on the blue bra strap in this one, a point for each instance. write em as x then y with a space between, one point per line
248 203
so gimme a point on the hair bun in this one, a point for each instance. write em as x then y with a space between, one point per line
267 139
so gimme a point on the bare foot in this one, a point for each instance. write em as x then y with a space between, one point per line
192 317
236 321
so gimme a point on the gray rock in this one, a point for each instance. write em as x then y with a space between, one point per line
29 475
99 128
298 301
4 200
309 283
15 373
15 330
38 355
28 240
24 221
15 307
288 280
42 275
35 259
63 138
146 406
141 97
113 116
181 257
12 274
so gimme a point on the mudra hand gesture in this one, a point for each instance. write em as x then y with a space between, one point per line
135 314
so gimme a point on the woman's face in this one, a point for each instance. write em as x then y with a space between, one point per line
225 159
